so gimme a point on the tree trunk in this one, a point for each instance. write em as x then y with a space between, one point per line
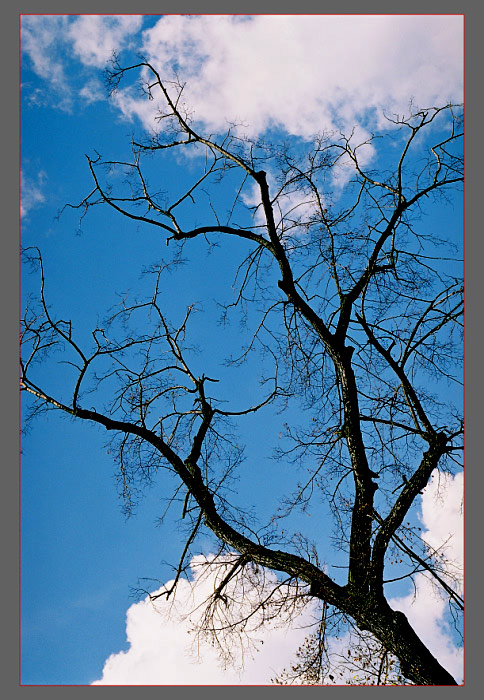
392 628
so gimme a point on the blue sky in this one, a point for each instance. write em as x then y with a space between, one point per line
81 557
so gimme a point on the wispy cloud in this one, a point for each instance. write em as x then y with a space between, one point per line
50 41
31 194
93 91
42 37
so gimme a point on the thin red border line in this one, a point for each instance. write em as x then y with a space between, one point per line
221 685
242 14
19 393
464 363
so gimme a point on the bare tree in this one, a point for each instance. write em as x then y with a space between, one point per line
357 313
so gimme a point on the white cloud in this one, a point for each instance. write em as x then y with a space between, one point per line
31 194
291 205
443 522
93 91
95 37
41 37
308 73
442 516
426 613
164 648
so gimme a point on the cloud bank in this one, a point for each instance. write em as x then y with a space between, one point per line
308 73
163 649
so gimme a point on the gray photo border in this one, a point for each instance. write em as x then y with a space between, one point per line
9 280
